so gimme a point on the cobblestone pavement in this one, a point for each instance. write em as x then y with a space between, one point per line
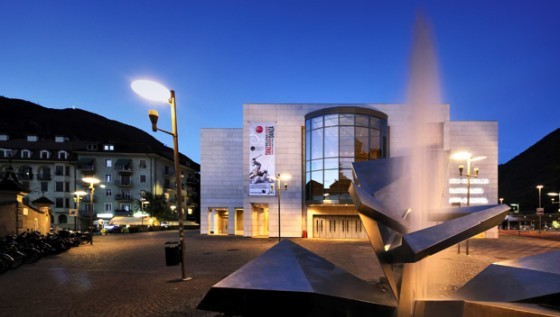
125 274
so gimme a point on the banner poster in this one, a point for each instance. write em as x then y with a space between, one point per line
261 159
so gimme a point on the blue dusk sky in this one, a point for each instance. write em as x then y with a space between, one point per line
498 60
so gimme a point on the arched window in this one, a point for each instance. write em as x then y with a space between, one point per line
45 155
25 172
62 155
25 154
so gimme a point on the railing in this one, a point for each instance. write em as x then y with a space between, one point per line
25 176
121 183
123 168
123 197
44 177
86 167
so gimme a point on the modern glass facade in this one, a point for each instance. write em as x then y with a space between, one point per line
334 138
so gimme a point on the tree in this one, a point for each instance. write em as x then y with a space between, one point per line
157 206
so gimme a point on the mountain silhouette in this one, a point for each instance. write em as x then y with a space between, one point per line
538 165
20 118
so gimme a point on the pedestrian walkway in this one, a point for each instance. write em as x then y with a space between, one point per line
125 274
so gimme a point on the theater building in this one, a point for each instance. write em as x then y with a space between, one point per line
312 147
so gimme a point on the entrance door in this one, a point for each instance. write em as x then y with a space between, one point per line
338 227
239 222
260 220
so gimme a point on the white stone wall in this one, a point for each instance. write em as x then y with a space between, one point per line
481 139
221 174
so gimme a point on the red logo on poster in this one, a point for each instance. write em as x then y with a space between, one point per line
259 129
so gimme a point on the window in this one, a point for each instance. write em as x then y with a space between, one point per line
67 202
59 170
67 186
108 192
59 202
91 147
108 178
142 178
125 207
334 139
59 187
3 137
108 147
108 163
45 154
25 154
142 164
62 155
62 219
44 187
32 138
6 152
67 170
59 139
108 207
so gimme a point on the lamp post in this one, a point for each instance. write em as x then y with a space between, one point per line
540 210
278 190
466 156
91 181
77 198
157 92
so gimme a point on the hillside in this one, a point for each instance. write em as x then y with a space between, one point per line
20 118
538 165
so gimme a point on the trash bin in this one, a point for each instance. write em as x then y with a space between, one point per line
172 253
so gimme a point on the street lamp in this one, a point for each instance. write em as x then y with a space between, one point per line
540 210
92 181
157 92
279 188
555 195
77 198
466 156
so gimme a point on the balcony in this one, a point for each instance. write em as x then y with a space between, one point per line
123 183
44 177
123 166
86 164
25 176
123 197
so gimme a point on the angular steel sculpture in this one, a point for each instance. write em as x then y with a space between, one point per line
390 234
289 280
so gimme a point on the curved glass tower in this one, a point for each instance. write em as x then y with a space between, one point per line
334 138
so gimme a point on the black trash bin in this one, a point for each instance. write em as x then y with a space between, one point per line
172 253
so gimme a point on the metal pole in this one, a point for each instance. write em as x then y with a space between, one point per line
278 195
91 190
178 182
468 194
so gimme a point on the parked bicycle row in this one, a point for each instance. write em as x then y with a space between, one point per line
30 247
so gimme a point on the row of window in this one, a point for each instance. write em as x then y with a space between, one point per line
26 154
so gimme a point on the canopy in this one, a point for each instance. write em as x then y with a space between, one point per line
133 221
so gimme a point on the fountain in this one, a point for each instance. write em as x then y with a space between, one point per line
399 201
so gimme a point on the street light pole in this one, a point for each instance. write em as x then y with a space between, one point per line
540 210
466 156
157 92
78 199
278 190
92 181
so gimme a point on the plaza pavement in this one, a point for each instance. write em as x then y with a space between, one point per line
125 274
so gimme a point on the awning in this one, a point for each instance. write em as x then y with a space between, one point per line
86 161
133 221
123 162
